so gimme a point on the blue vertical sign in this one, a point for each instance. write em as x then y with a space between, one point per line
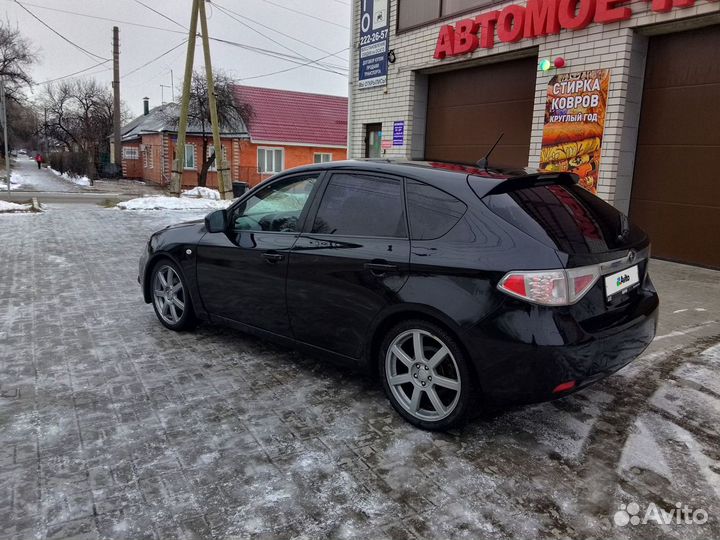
374 40
399 133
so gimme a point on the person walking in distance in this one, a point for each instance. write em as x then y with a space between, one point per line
39 160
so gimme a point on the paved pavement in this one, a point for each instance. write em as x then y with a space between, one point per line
113 427
49 188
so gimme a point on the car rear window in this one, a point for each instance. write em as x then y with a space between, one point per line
432 212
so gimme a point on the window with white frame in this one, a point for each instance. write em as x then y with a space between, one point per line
271 160
322 157
130 152
190 157
210 150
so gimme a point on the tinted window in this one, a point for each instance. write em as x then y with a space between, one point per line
361 205
432 212
276 208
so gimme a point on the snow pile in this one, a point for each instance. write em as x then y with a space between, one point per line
202 193
172 203
7 207
16 179
77 180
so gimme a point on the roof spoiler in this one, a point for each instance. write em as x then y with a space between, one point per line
520 182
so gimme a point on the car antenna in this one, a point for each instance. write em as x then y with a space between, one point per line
484 161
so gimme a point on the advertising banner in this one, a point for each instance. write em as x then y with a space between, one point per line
374 39
574 124
399 133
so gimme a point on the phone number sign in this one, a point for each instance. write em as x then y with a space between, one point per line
374 40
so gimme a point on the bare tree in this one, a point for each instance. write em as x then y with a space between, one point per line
16 56
80 117
232 115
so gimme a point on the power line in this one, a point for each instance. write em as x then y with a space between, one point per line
72 74
306 14
229 12
155 59
161 14
59 34
288 69
99 18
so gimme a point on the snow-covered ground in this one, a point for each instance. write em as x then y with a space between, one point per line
7 207
30 178
198 198
83 181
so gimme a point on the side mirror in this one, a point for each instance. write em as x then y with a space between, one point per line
216 221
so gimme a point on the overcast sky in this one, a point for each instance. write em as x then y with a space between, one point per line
139 45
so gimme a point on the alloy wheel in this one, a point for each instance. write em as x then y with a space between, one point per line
423 375
169 295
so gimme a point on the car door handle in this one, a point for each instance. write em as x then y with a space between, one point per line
273 257
379 268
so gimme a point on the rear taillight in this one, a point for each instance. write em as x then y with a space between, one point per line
550 287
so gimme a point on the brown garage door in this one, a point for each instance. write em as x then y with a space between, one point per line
676 186
468 109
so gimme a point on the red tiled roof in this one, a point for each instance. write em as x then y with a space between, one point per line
283 116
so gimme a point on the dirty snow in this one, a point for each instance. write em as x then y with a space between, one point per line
6 207
200 192
172 203
83 181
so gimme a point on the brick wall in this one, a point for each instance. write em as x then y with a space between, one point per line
620 47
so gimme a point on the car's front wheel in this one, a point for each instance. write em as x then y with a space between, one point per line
426 375
171 298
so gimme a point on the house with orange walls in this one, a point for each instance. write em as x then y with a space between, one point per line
286 129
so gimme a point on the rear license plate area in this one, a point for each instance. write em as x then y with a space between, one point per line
621 283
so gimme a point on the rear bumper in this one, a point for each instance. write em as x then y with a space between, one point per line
515 367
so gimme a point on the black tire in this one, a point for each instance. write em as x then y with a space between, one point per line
167 306
458 404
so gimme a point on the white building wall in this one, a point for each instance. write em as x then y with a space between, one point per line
620 47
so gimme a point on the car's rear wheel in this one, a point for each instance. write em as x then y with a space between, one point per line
171 298
426 375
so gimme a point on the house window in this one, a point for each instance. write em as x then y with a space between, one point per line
130 152
322 157
147 157
210 150
190 157
270 160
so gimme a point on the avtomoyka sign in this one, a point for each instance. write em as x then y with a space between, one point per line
537 18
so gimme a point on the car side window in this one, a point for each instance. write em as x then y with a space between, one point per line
432 212
276 208
362 205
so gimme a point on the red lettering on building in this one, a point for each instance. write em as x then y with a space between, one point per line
445 42
538 18
466 40
608 11
576 14
541 18
487 28
510 24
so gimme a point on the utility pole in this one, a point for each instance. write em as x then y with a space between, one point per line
179 162
117 143
45 139
223 172
3 101
172 84
224 183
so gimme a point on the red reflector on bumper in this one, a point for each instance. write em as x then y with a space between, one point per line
564 387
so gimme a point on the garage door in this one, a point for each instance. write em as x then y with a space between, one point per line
468 109
676 186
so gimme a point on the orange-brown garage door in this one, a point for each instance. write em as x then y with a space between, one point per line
469 108
676 185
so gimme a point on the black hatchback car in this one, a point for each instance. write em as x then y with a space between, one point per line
458 286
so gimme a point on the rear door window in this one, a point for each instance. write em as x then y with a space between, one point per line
432 212
362 205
